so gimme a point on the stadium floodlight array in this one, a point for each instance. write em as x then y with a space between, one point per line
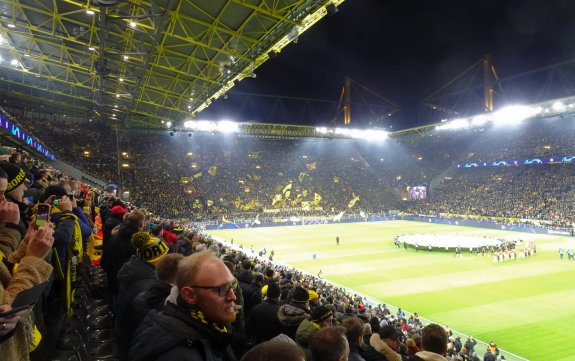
512 114
222 126
365 134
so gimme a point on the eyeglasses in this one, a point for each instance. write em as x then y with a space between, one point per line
223 290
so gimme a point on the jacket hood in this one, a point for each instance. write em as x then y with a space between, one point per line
304 332
291 316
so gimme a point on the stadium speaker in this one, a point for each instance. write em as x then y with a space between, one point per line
331 9
171 133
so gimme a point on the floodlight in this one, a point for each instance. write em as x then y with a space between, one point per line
227 126
513 114
558 107
479 120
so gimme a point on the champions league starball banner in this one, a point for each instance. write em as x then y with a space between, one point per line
15 131
507 163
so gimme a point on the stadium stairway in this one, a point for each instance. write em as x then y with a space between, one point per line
90 334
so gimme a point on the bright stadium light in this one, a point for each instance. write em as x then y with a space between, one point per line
227 126
375 135
558 107
479 120
513 114
454 125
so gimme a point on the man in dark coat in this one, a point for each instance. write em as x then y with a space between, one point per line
136 276
155 296
253 293
263 323
292 314
115 217
119 249
197 328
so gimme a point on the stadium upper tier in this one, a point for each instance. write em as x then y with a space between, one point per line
204 176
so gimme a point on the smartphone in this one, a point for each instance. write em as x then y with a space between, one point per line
43 214
26 299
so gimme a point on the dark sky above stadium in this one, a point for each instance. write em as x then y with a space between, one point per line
404 50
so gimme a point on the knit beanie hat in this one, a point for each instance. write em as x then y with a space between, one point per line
148 248
320 313
313 295
273 290
300 294
16 175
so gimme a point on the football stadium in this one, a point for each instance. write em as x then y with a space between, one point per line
137 222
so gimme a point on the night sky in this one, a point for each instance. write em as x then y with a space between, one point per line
404 50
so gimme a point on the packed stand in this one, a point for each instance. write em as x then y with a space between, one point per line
87 145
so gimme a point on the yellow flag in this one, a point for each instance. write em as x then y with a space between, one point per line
316 198
287 188
335 179
197 175
353 201
213 170
311 166
277 198
301 176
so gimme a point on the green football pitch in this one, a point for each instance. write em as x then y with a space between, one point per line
526 306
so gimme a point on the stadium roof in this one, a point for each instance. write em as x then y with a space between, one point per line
140 60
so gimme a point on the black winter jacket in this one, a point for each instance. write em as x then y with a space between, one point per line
173 334
134 277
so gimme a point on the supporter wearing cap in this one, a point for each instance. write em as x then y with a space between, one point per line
111 220
320 317
17 185
292 314
313 298
384 345
136 276
263 322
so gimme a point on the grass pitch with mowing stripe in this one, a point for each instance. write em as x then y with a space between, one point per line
526 306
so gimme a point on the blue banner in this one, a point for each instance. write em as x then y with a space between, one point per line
15 131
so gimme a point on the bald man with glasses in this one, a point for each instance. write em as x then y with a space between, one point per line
198 326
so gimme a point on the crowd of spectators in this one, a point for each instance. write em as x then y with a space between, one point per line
214 177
